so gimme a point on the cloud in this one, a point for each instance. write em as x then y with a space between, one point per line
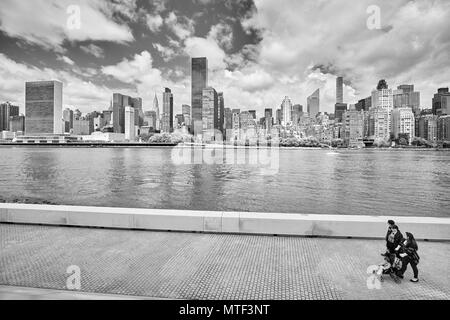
154 22
299 34
45 22
167 53
223 34
66 60
201 47
76 92
93 49
182 27
133 70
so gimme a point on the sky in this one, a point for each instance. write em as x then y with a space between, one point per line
258 51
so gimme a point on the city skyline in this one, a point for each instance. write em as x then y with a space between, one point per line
255 70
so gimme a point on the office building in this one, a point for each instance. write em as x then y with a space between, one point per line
167 112
339 110
129 123
17 123
221 111
443 128
339 90
43 107
81 127
7 110
313 104
403 122
210 113
353 121
199 81
441 102
406 97
286 112
383 101
364 104
228 123
428 127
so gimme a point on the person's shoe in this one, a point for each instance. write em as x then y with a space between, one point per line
400 276
414 280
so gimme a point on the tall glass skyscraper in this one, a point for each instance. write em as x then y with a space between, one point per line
167 114
339 90
199 81
210 113
43 107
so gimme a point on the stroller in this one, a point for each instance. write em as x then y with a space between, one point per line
392 264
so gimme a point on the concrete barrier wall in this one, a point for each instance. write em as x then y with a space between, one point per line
224 222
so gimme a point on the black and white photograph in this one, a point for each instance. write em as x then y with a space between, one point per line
225 155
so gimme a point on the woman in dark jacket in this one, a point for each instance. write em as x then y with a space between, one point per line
394 239
409 255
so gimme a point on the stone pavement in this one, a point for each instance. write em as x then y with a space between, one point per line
210 266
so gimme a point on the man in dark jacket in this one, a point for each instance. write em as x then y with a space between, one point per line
389 231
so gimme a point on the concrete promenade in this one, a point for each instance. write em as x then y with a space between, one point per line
208 266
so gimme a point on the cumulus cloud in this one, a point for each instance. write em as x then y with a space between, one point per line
154 22
182 27
299 34
45 22
167 53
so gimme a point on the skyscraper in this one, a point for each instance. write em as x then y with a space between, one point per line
313 104
68 119
199 81
221 111
119 103
382 100
129 123
186 111
210 113
406 97
156 109
441 102
339 90
286 112
167 115
7 110
43 107
268 118
339 110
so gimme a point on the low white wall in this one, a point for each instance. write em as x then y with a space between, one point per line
224 222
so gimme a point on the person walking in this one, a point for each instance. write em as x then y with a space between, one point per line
389 231
410 256
394 239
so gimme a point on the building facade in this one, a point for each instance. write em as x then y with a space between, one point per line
339 90
199 81
167 112
129 123
403 122
210 114
43 107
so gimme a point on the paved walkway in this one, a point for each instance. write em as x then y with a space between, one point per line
210 266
